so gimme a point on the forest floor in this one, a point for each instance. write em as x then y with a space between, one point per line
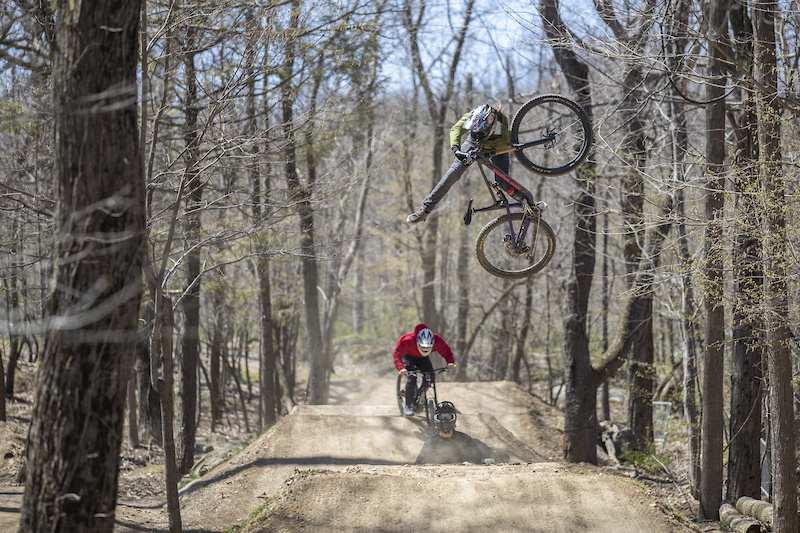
349 466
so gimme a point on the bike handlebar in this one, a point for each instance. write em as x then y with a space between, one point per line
435 371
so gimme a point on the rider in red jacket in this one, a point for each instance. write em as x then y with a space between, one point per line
411 353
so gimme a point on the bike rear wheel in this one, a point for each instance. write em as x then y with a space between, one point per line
496 253
555 116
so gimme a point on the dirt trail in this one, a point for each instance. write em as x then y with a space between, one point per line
349 467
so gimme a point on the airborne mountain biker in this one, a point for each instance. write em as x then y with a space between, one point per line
411 353
488 132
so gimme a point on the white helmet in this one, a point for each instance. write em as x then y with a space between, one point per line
425 341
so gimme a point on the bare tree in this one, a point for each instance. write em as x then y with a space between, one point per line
744 449
267 403
711 480
190 340
301 196
580 410
437 105
630 27
76 430
676 47
779 336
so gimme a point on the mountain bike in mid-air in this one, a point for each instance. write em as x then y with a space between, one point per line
421 401
550 135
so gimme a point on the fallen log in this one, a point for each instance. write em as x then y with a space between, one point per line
736 521
760 510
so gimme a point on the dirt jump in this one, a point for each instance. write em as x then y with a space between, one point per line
349 466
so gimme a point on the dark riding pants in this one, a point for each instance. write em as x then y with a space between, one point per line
420 364
455 172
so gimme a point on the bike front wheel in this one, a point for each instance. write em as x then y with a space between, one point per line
496 252
560 127
430 412
401 392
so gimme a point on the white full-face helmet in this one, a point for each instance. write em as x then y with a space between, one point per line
425 341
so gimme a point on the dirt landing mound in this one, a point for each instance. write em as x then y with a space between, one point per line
319 437
546 497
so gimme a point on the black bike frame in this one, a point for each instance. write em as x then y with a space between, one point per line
425 386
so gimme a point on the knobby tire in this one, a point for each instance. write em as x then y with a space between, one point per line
493 253
430 411
557 114
401 392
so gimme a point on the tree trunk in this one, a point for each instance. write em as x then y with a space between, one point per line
266 370
133 423
318 380
267 396
605 404
778 335
215 396
77 422
149 403
462 312
580 411
190 342
358 298
641 376
14 318
519 351
677 46
634 153
161 344
463 258
437 112
14 346
502 336
744 448
3 416
713 416
346 259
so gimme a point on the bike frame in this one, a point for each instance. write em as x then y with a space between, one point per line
422 391
512 188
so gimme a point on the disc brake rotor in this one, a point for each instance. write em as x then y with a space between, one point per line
508 242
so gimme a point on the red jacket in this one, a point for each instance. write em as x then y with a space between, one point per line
407 345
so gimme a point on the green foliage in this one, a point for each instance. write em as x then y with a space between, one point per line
15 118
264 511
257 516
644 459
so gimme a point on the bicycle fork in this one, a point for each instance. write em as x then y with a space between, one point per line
504 185
531 213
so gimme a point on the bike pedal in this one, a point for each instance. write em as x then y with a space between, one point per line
468 214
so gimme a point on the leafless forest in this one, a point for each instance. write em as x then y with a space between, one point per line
201 198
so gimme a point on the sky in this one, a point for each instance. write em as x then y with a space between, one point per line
500 30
